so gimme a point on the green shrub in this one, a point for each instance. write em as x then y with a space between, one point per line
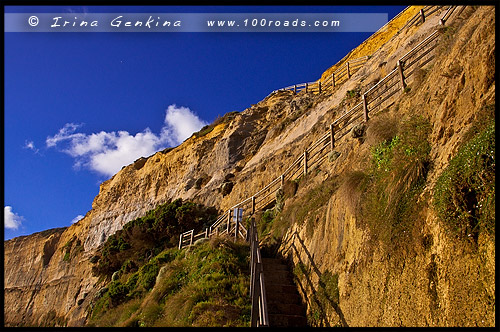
211 278
117 292
147 274
329 287
464 196
132 281
266 222
352 93
145 237
382 154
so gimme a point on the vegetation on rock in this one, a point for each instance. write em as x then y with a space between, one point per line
464 195
155 284
145 237
206 285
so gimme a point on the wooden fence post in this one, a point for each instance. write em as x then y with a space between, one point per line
422 15
306 87
192 235
295 89
228 221
401 74
253 204
305 162
332 137
333 80
365 107
206 233
237 215
319 86
348 71
180 242
282 178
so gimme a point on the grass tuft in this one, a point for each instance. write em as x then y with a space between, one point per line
393 183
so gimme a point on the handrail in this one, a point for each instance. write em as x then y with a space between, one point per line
349 67
259 316
426 11
423 42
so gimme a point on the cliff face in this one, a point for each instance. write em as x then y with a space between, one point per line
48 277
441 281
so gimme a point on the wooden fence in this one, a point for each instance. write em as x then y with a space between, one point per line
342 74
230 223
373 100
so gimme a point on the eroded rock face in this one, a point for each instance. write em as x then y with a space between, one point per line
440 282
45 284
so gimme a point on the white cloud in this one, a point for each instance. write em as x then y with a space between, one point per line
107 152
11 219
30 145
180 124
77 218
65 133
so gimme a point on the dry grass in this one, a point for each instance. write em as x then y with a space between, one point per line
381 128
352 185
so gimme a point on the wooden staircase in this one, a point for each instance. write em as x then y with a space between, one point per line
284 304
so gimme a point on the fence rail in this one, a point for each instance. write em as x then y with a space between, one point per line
420 17
342 74
228 223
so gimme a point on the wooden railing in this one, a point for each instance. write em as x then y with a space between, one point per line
450 11
342 74
230 223
373 100
259 314
420 17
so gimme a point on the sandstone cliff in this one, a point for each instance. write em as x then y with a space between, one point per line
442 282
48 275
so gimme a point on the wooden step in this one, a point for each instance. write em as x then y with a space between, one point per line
289 308
278 320
282 288
284 303
278 277
273 297
273 264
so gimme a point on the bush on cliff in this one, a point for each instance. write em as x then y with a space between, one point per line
145 237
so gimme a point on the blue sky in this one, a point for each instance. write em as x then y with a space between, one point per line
79 106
